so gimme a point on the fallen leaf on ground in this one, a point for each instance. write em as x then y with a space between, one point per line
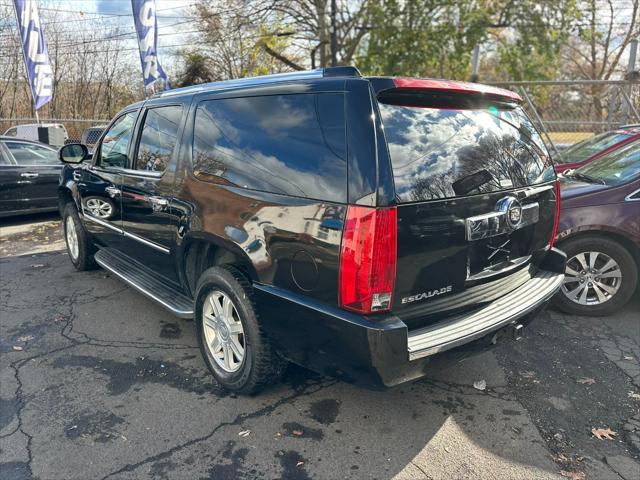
603 433
244 433
635 396
37 265
573 475
586 381
626 357
480 385
17 348
528 374
299 464
26 338
298 433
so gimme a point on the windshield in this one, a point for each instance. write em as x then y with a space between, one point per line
617 167
450 152
590 147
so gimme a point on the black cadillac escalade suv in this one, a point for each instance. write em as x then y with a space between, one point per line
356 226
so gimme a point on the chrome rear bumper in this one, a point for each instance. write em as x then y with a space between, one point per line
465 328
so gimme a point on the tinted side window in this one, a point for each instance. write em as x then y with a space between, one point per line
287 144
115 144
3 158
30 154
159 138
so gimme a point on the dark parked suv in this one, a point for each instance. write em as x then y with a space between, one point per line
356 226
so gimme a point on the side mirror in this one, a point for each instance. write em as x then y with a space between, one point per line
73 153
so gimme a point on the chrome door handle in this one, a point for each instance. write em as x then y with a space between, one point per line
113 191
160 201
29 175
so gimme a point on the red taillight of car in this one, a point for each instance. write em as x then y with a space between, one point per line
556 217
368 259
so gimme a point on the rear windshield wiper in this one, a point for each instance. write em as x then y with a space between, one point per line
584 177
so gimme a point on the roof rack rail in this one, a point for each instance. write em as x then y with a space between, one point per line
264 80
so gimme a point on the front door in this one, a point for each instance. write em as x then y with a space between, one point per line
149 225
100 184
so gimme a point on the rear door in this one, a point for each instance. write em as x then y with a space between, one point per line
38 168
476 200
148 223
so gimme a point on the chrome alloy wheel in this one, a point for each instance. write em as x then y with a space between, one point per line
99 208
223 331
72 238
591 278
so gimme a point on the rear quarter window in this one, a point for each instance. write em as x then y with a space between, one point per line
439 153
285 144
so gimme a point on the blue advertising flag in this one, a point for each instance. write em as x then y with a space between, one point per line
144 15
34 47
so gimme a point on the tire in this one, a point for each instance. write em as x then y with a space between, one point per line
260 364
600 299
82 254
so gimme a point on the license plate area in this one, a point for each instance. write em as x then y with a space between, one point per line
497 245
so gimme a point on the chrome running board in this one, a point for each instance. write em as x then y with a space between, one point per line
145 281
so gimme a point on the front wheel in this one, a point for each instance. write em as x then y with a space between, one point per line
232 342
600 277
79 245
100 207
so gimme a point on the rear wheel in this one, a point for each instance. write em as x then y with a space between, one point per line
600 277
79 245
236 350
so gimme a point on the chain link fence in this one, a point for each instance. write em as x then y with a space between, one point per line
570 111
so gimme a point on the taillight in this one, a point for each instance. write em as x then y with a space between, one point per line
556 217
368 259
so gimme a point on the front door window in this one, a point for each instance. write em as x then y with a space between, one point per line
113 151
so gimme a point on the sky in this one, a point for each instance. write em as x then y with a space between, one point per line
173 21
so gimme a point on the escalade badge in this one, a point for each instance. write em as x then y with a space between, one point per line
513 210
428 294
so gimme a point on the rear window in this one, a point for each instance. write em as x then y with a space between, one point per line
439 153
286 144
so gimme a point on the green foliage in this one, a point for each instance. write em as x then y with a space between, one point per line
530 46
196 69
435 38
424 37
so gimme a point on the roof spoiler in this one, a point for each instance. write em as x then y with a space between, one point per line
451 87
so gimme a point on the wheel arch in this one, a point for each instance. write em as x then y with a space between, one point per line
199 251
65 195
611 234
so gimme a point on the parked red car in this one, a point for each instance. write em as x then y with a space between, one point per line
595 147
599 230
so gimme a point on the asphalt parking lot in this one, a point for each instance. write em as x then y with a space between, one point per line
98 382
